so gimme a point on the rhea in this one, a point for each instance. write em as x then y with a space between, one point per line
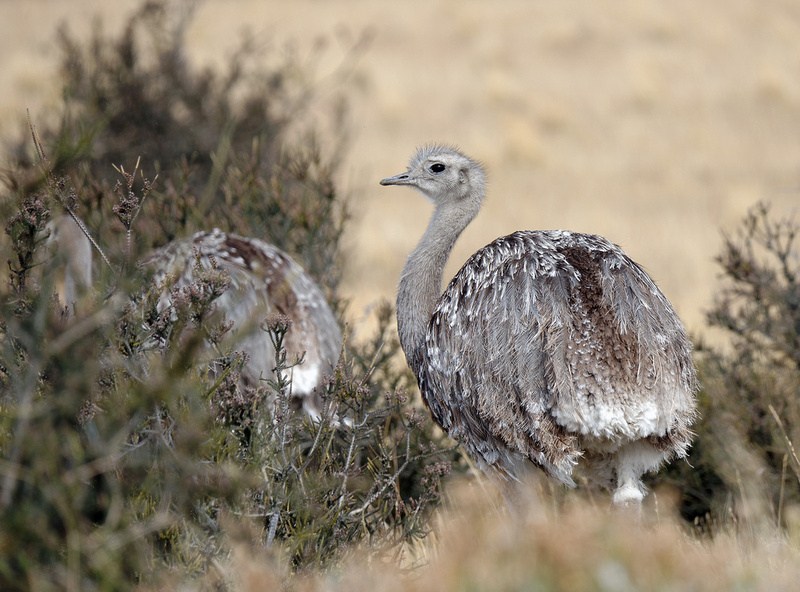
264 281
549 349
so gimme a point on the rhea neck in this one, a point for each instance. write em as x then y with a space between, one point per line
421 281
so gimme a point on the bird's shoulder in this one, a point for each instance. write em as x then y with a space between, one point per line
535 280
533 262
548 250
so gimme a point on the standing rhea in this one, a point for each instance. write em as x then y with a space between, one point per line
548 348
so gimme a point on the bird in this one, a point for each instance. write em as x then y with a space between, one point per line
264 281
549 349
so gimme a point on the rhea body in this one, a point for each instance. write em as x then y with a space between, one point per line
549 349
263 281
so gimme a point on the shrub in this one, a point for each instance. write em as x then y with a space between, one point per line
227 147
744 465
127 457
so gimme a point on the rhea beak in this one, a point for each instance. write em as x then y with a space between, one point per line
401 179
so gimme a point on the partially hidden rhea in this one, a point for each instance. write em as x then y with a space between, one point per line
549 349
264 281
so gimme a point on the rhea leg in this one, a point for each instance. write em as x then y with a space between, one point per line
632 461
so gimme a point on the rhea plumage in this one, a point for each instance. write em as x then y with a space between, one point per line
263 281
550 349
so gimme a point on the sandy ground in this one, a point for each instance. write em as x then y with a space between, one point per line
655 124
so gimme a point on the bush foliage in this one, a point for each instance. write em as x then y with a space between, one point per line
128 457
228 148
747 464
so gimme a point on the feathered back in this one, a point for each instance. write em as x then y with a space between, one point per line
547 343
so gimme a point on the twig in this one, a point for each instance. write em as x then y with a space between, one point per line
783 486
273 527
788 441
388 482
37 143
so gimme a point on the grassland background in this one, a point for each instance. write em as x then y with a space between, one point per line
655 124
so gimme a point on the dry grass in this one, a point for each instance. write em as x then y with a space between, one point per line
581 545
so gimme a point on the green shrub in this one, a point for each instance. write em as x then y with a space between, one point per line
127 457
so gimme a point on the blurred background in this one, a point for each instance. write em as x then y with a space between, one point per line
654 124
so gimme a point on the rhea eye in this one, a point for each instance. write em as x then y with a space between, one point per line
436 167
